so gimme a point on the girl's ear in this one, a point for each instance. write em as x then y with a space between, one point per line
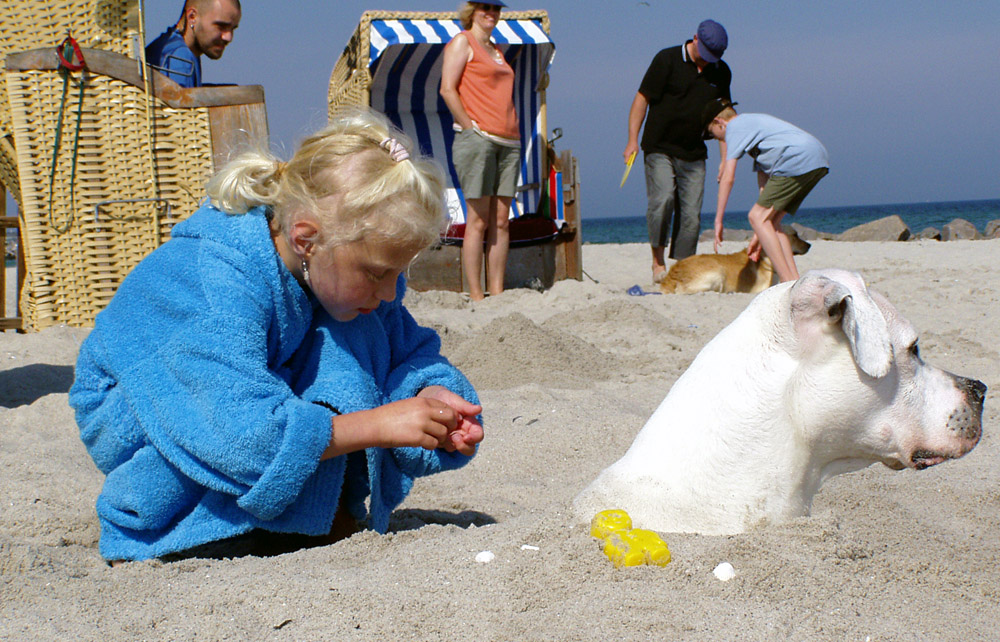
303 236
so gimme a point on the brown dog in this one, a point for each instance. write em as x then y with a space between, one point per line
725 272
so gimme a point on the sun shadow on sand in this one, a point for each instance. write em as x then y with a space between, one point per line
25 385
409 519
261 543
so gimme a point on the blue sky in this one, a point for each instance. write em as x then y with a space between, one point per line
903 94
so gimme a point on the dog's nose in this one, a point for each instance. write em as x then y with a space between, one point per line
967 420
974 390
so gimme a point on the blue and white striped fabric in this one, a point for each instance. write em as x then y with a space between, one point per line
405 64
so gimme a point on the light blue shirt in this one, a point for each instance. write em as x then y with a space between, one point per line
777 147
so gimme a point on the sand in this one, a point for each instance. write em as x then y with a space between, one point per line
567 378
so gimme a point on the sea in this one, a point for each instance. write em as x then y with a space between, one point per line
917 216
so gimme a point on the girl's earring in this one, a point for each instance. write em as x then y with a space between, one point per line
305 272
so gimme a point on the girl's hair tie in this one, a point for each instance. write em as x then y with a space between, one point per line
396 150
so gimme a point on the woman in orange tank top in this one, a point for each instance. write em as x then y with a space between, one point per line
477 85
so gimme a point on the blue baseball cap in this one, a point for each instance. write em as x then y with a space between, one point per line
712 40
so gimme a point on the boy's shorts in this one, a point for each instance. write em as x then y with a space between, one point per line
484 168
786 193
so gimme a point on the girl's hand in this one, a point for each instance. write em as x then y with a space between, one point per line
467 431
435 418
420 422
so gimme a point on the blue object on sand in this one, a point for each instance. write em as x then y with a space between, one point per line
635 290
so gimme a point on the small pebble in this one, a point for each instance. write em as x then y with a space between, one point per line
529 547
485 557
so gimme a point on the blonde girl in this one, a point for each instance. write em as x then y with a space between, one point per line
258 372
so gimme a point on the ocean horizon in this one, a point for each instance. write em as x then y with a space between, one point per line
834 220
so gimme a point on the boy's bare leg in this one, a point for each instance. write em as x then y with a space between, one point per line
761 220
786 245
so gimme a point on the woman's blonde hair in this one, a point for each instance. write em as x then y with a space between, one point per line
465 11
377 198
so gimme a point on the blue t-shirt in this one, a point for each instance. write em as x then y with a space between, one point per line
171 56
778 148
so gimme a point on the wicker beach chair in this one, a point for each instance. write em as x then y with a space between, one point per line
96 24
107 162
26 24
392 63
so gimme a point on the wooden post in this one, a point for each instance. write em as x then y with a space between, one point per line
10 222
3 242
543 132
235 129
573 247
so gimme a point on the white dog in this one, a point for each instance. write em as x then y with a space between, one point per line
815 378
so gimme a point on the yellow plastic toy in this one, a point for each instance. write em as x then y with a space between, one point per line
635 548
609 521
627 546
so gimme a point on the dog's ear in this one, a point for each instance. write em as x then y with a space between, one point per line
845 302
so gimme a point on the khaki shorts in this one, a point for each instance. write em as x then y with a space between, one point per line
484 168
786 193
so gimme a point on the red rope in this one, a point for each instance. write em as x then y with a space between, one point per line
70 47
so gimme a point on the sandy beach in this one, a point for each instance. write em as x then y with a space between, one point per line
567 378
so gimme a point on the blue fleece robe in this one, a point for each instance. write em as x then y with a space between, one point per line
199 394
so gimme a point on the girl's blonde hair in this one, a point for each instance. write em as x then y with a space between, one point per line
377 198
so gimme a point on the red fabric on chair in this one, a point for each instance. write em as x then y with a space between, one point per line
524 230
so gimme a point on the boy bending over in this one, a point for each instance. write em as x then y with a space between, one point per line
789 162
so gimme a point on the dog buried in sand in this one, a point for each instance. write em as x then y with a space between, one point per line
726 272
815 377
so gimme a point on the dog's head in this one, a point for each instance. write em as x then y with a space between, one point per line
799 245
862 369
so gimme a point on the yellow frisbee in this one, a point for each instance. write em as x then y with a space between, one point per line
628 168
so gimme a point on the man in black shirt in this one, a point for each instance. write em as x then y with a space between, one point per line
674 91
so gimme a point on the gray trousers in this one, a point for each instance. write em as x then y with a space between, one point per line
675 189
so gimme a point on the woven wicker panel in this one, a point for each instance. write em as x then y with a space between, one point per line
355 91
350 81
8 165
29 24
76 255
97 24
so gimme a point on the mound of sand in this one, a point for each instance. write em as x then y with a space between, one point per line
512 350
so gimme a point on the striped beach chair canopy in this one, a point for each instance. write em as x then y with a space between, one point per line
393 64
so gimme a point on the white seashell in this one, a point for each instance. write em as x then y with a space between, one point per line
529 547
724 572
485 557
